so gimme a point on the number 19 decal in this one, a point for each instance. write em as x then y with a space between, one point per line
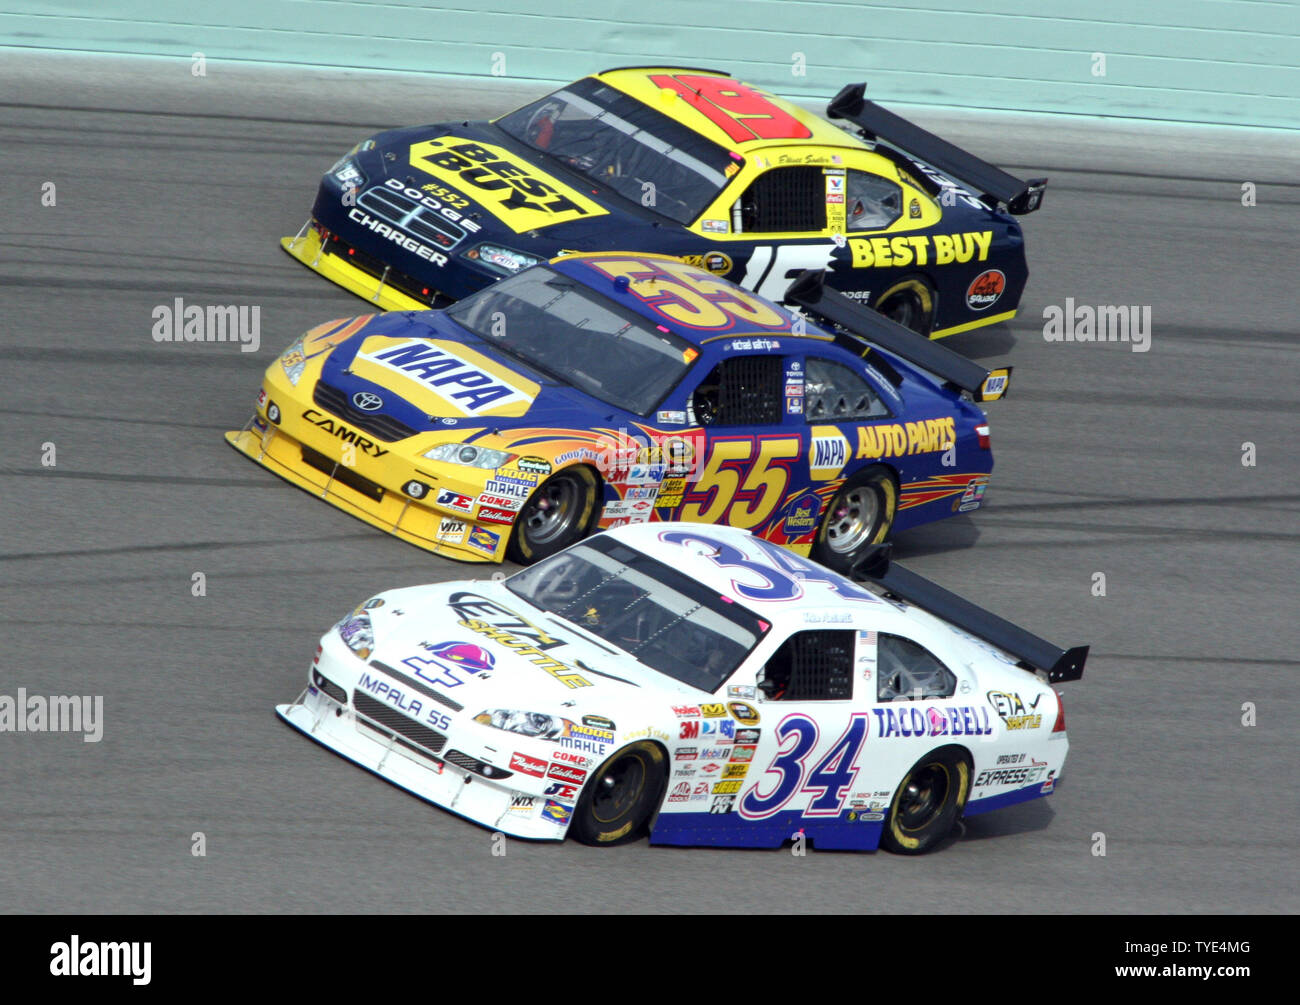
830 780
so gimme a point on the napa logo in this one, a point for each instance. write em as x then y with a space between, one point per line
828 453
448 663
442 378
802 518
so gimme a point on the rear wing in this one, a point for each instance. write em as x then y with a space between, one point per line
1032 652
864 328
993 184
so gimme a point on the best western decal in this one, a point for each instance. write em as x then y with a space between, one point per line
446 374
896 440
936 249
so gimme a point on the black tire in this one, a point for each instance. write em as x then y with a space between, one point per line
928 802
860 515
556 515
621 796
911 303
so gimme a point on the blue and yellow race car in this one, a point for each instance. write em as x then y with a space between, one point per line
683 162
601 390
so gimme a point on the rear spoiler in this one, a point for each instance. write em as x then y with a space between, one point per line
993 184
867 327
1032 652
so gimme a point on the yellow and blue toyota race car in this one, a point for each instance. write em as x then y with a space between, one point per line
683 162
601 390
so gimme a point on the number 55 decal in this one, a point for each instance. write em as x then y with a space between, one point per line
743 481
769 275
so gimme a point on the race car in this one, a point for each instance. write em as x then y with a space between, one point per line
684 162
699 683
599 390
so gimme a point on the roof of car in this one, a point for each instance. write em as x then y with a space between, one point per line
743 117
819 597
585 269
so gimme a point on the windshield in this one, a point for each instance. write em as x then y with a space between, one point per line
665 619
615 140
572 335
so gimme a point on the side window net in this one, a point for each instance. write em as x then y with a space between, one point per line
744 390
791 199
811 666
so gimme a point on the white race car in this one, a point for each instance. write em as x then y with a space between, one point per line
700 683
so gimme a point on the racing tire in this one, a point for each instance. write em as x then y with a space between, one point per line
910 302
621 796
928 802
555 516
860 515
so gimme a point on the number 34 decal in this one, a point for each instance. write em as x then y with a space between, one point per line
829 781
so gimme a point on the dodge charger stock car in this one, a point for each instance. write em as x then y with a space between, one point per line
606 389
699 683
683 162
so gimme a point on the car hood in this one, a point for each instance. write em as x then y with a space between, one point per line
423 372
484 647
508 192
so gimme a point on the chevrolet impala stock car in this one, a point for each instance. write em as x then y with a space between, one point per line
599 390
698 683
683 162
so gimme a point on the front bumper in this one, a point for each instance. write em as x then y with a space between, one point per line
420 737
431 778
368 489
331 260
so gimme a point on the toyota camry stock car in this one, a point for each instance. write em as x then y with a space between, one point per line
599 390
688 163
701 682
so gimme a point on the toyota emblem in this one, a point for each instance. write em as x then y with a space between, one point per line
367 401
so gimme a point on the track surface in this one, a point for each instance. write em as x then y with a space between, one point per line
1108 461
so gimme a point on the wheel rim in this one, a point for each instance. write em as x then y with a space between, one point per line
923 797
553 510
852 519
618 790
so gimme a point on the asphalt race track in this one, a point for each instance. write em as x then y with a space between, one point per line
1108 460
